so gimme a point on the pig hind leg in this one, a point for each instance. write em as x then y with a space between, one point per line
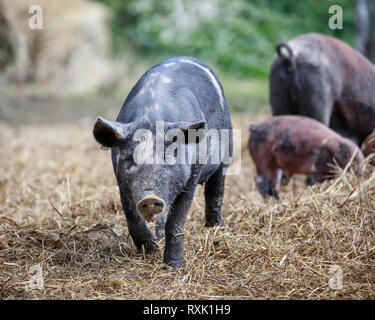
282 88
214 193
316 95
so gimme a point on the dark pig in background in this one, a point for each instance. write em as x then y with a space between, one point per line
323 78
296 145
182 93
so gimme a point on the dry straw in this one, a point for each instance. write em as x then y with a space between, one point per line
60 210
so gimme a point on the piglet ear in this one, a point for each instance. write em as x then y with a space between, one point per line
110 133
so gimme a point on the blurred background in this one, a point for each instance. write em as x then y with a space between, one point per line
91 52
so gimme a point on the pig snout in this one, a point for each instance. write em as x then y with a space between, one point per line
150 206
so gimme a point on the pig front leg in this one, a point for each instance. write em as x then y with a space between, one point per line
174 228
269 183
138 230
275 182
213 194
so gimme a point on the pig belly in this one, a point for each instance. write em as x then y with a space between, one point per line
294 164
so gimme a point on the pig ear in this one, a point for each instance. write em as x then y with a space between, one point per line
110 133
186 125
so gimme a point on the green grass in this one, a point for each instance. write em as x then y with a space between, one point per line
239 36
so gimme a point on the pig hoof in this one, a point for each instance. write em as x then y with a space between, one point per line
284 180
149 245
310 181
174 264
213 222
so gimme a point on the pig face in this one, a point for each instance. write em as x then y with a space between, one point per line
150 172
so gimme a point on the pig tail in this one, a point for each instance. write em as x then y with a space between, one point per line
291 59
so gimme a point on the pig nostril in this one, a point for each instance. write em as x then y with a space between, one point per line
150 205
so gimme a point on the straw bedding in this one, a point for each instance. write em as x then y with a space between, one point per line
60 211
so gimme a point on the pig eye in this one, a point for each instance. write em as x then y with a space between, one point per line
128 161
125 156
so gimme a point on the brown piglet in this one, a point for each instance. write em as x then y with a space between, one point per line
296 145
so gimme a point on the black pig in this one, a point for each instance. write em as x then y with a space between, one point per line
182 93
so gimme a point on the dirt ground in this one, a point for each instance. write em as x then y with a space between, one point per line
63 234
